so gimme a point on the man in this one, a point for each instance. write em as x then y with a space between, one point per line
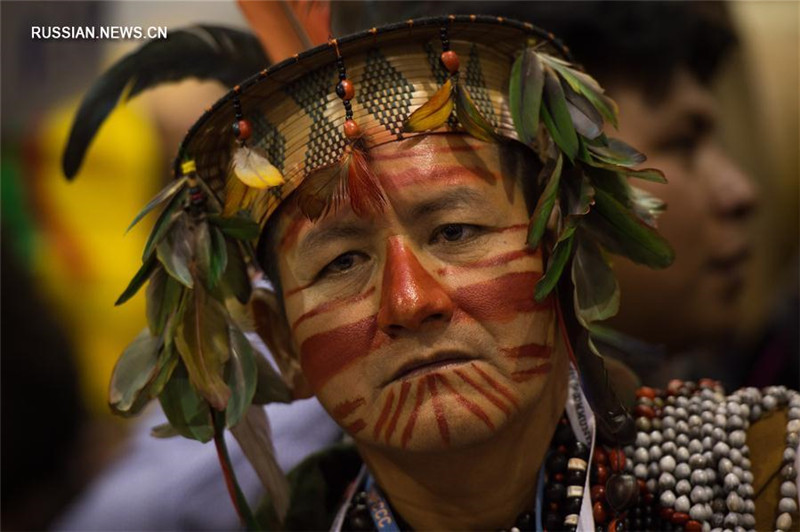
416 280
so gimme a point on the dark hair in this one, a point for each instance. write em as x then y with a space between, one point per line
642 43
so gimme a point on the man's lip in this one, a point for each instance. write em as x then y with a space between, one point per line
729 261
430 363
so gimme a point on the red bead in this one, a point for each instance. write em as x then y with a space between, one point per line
602 474
599 513
644 411
646 391
450 61
600 456
707 383
598 493
559 477
674 386
345 89
693 526
642 485
679 518
666 513
351 129
243 129
562 449
616 459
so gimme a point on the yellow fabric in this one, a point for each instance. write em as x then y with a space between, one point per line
82 261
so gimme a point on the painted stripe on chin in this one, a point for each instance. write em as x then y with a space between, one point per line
476 410
483 391
404 389
387 407
356 426
496 386
412 419
441 420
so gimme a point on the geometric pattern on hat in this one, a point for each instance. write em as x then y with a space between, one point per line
383 93
474 79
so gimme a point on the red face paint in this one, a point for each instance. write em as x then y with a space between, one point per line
326 354
409 295
528 351
497 260
438 411
378 155
412 418
524 375
501 299
404 389
476 410
387 407
344 409
499 388
332 305
483 391
442 176
356 426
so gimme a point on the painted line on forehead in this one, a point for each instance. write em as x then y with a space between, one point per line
356 426
404 389
476 410
528 374
441 176
496 386
332 305
500 299
289 237
527 351
412 419
345 408
438 411
326 354
497 260
387 407
490 397
383 155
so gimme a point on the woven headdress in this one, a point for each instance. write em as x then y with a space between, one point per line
303 128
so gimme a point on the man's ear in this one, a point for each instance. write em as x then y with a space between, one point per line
272 327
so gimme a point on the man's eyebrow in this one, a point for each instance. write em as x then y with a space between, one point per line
451 199
340 230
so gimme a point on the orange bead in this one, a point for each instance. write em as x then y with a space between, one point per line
646 391
693 526
351 129
600 456
599 513
644 411
679 518
243 129
450 61
598 493
616 459
345 90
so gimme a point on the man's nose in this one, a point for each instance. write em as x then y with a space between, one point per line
411 299
735 193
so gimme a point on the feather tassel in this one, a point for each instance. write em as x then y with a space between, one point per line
255 170
433 113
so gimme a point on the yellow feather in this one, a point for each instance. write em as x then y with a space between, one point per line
433 113
254 170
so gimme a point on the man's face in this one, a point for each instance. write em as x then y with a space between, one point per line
709 203
416 327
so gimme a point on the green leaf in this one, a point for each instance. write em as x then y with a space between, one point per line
470 118
623 233
202 341
163 294
210 253
555 266
596 290
165 194
175 252
585 85
525 94
163 431
556 116
242 376
138 280
135 369
171 212
237 227
270 387
616 152
235 280
167 361
551 174
186 410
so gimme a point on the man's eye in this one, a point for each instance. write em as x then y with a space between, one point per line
454 233
343 263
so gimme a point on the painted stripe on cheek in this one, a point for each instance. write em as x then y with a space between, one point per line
412 419
528 351
524 375
441 420
491 398
356 426
501 299
387 407
345 408
476 410
404 389
499 388
324 355
498 260
332 305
